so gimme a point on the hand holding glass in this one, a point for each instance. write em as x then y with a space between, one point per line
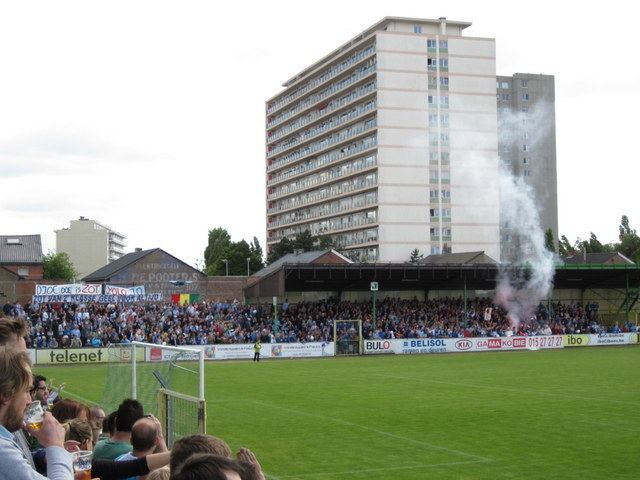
82 464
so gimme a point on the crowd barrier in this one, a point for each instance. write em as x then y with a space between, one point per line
240 351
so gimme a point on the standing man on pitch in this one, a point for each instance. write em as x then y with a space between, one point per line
256 350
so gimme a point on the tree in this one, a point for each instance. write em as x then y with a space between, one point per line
218 243
416 256
548 241
565 248
629 244
58 266
303 241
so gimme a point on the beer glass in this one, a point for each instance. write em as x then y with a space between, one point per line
82 464
34 415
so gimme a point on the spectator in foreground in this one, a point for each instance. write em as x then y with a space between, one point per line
146 438
204 466
15 384
187 446
97 419
12 334
129 412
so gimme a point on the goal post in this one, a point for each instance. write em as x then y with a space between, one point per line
347 337
180 354
168 381
180 415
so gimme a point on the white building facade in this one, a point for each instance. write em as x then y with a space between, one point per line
389 144
90 245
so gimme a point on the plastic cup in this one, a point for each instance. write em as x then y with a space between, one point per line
34 415
82 464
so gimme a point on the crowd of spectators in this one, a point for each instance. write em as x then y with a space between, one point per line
77 325
126 444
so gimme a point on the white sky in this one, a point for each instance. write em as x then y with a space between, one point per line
148 116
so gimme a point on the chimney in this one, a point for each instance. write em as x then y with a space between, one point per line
443 25
138 249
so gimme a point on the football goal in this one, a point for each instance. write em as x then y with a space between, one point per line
168 381
347 335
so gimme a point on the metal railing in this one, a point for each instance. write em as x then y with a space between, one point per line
327 75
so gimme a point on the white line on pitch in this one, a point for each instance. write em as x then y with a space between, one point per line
371 429
503 389
384 469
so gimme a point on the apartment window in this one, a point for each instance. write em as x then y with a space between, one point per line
444 43
434 213
506 148
525 97
435 250
433 156
524 147
444 100
523 83
433 231
504 85
527 173
446 232
431 100
445 175
432 63
446 212
444 139
433 194
431 44
524 160
444 81
417 29
433 139
444 63
444 157
444 120
505 96
433 119
446 194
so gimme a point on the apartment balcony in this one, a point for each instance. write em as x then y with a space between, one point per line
313 133
318 81
315 99
322 195
324 213
343 227
348 134
334 106
289 190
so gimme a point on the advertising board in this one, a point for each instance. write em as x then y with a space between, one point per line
62 356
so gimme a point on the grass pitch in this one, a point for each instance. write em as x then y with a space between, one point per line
554 414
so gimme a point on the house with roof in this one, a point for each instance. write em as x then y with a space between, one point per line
21 255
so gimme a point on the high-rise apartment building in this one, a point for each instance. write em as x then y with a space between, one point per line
389 144
527 144
89 244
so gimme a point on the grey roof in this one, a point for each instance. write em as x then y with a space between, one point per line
462 258
597 258
302 257
27 249
112 268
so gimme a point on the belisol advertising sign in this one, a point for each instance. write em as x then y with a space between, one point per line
408 346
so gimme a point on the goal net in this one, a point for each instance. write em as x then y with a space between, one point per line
347 335
167 381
